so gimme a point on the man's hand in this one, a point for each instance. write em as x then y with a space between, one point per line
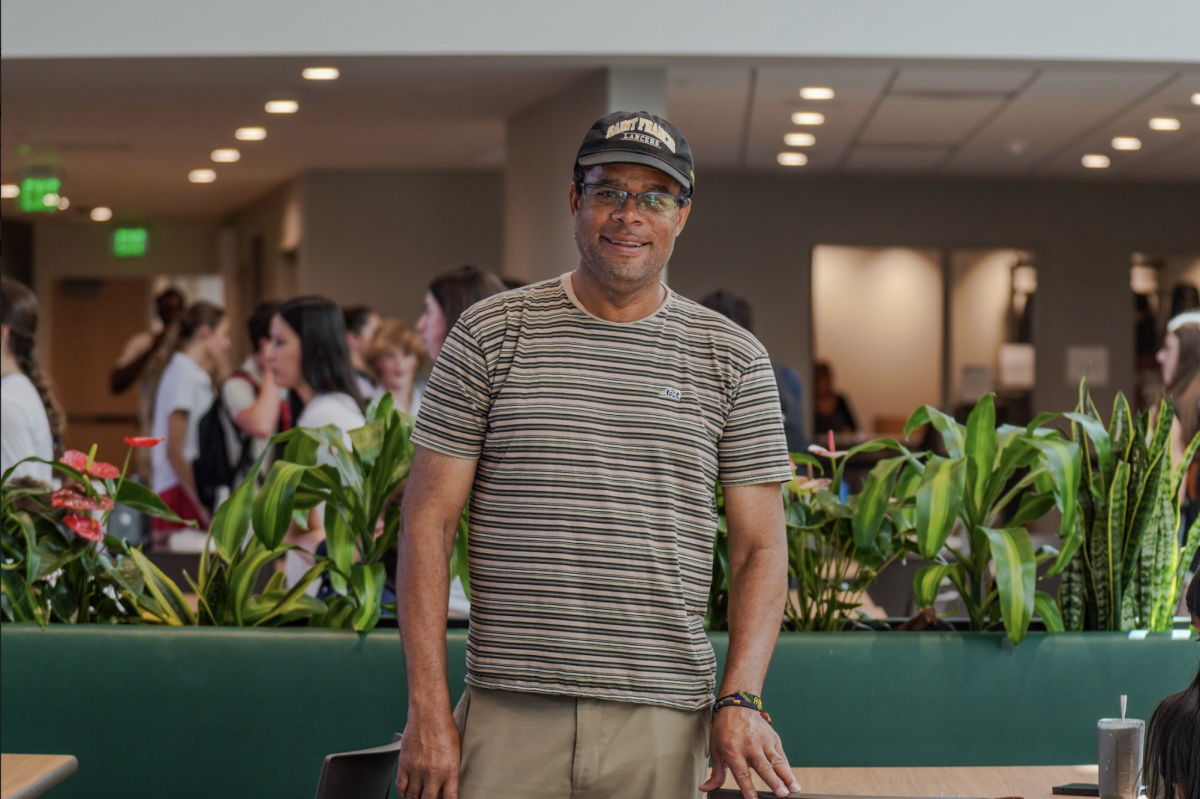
743 743
429 754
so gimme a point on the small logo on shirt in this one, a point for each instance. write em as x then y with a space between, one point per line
671 393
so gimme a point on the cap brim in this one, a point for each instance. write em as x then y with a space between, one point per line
645 159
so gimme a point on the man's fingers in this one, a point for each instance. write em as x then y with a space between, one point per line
781 767
450 787
717 778
743 775
767 772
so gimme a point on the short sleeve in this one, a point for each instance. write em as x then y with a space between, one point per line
16 436
752 448
454 410
238 394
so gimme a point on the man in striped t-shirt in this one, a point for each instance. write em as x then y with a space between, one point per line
587 418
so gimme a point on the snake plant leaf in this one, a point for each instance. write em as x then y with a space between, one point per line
928 580
367 579
951 431
1072 594
339 541
980 446
166 593
1016 578
1120 429
1149 490
216 594
272 509
1098 435
1115 536
1047 608
872 503
939 500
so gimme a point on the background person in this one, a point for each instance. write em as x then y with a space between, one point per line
575 414
257 405
396 356
788 383
309 357
361 323
450 294
30 420
185 393
1172 763
831 410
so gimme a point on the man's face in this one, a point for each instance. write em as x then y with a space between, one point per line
626 248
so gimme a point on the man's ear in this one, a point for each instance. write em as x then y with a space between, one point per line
684 212
573 199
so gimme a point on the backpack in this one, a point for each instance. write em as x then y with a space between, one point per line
213 468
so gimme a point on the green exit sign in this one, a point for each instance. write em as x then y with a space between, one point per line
39 194
129 242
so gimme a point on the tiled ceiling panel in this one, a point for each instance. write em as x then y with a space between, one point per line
941 79
869 158
928 120
709 104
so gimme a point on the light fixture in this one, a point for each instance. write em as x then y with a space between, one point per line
10 191
1164 123
1127 143
62 204
792 159
808 118
1196 98
799 139
50 200
101 213
202 176
226 156
320 73
282 106
816 93
1096 161
250 134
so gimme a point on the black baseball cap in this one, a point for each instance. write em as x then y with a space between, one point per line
639 137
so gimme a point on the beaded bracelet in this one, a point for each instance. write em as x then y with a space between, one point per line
742 699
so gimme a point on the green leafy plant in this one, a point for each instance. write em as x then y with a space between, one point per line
989 471
1126 565
836 550
58 566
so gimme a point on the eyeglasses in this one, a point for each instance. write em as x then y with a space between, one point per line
650 202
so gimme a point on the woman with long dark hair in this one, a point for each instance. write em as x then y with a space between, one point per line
309 356
1172 769
184 395
31 424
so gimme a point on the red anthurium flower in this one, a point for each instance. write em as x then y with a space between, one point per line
144 441
85 526
73 498
79 462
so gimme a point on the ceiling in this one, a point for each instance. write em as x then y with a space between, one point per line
126 132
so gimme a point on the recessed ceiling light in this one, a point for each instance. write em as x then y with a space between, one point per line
202 176
250 134
1127 143
282 106
63 203
1164 123
226 156
816 93
799 139
1096 161
1196 98
792 159
321 73
101 214
808 118
10 191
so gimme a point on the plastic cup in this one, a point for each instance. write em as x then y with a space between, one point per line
1119 756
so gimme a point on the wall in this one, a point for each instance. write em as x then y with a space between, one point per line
980 294
877 320
378 238
755 235
65 249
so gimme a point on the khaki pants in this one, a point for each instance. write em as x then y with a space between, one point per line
534 746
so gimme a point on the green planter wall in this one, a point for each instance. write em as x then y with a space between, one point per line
204 712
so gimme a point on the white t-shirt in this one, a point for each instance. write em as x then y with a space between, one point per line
24 428
184 386
239 394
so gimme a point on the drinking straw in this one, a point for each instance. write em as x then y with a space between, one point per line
1123 699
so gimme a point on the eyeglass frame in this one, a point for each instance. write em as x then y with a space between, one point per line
682 199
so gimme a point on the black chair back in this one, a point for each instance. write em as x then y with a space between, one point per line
365 774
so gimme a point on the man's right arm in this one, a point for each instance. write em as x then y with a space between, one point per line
437 490
138 354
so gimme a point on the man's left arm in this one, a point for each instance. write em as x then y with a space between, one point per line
742 741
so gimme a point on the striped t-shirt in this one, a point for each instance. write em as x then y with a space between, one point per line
592 514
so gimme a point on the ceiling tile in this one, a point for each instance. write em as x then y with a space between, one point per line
921 120
709 105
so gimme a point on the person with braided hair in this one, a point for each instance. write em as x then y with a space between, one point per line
31 423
